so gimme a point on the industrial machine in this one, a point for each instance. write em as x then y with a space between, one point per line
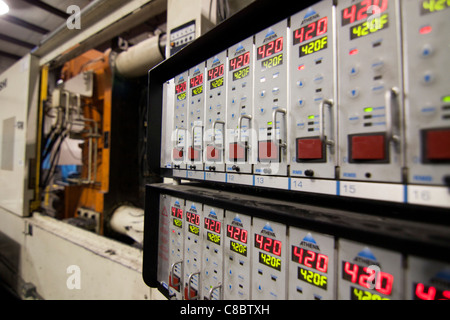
311 154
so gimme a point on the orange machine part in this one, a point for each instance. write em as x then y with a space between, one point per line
97 108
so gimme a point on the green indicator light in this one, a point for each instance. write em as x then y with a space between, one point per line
446 99
368 109
269 123
311 117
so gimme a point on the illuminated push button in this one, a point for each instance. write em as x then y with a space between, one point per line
437 145
309 149
371 147
353 93
301 102
301 83
428 78
262 94
426 51
353 71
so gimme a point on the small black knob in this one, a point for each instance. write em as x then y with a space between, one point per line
212 168
267 171
192 167
309 173
236 168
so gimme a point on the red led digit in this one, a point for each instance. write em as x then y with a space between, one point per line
277 248
322 263
211 74
322 26
270 47
230 231
279 45
259 240
232 64
384 283
268 244
352 270
207 223
246 58
261 52
421 294
309 34
239 61
446 295
236 233
298 254
383 6
362 12
217 227
364 277
244 236
349 15
309 259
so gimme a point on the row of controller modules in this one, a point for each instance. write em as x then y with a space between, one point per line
356 91
206 252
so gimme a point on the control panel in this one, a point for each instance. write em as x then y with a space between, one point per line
368 273
180 135
427 280
427 94
269 260
216 108
344 98
192 250
176 248
213 243
240 149
311 265
247 257
196 115
370 90
270 104
313 105
237 256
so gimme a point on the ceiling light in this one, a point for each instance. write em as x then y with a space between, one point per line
4 8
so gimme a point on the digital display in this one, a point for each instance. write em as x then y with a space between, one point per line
177 223
212 225
181 96
216 72
425 292
268 244
313 278
270 48
240 61
238 248
366 28
192 218
312 30
272 62
197 91
177 212
196 81
366 277
359 11
314 46
358 294
310 259
215 238
237 234
240 74
193 229
431 6
180 88
216 83
270 261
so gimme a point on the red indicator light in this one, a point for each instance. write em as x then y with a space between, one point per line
426 30
353 52
302 67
